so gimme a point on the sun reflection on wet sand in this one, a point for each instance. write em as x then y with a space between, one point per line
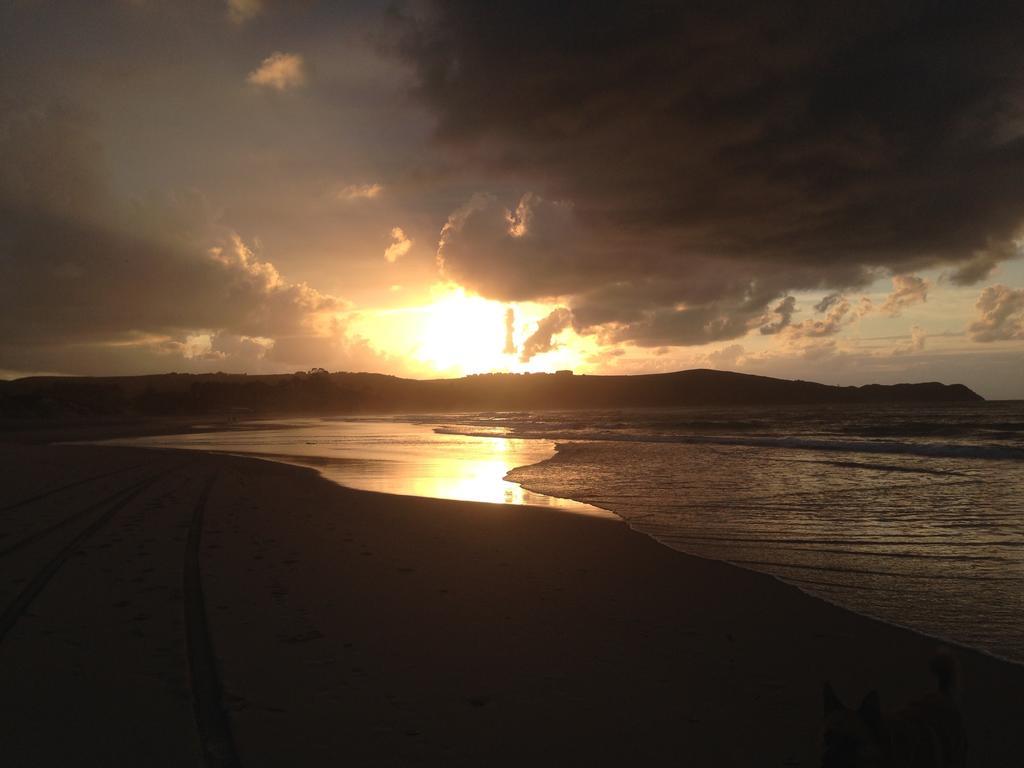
390 457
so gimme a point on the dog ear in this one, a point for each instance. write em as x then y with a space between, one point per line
832 702
871 710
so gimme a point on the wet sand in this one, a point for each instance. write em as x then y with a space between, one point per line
168 608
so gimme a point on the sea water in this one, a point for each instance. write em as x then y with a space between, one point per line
401 455
914 515
911 514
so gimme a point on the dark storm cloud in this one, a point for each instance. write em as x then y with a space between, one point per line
542 339
783 313
539 249
790 146
983 262
535 249
827 302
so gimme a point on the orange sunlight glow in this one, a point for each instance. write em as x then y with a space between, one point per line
459 333
462 332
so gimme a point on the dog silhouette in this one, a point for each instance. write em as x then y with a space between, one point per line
926 733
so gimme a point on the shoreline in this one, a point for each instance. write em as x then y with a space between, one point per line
380 628
955 644
613 516
315 463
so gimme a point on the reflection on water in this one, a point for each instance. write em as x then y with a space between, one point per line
390 457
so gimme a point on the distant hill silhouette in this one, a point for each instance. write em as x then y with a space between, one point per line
320 392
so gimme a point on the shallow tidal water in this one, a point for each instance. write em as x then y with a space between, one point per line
387 456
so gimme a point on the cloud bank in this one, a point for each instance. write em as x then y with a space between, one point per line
85 276
687 167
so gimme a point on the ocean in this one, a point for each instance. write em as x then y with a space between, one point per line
911 514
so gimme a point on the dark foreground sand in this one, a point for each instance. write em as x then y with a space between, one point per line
314 625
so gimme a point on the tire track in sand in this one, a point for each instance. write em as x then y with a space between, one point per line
207 691
17 607
43 532
69 486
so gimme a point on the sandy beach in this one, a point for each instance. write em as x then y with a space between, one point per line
170 608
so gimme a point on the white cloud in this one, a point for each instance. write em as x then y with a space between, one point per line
280 71
819 349
399 247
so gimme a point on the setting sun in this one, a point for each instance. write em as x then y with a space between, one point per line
458 333
316 317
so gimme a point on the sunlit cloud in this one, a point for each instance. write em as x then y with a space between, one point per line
280 71
606 357
241 348
726 358
360 192
510 332
837 315
918 337
198 345
1000 314
399 247
907 290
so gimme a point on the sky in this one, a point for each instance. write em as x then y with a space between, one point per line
827 191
